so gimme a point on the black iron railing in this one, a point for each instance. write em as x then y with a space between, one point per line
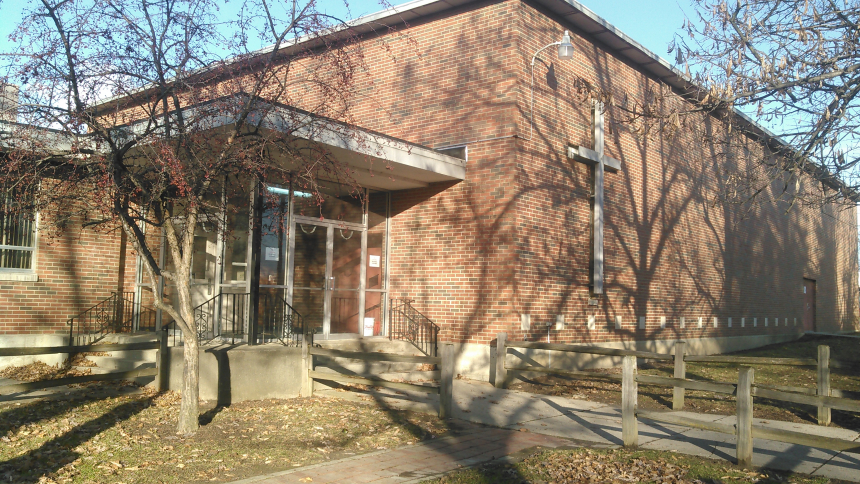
408 324
125 310
146 316
112 315
223 316
279 321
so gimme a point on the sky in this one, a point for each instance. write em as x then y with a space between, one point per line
652 23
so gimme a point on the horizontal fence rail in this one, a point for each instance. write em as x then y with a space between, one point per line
744 390
594 350
752 360
814 400
573 373
367 380
444 389
705 386
160 370
822 396
72 380
58 350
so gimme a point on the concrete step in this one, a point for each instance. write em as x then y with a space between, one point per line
422 380
121 338
142 355
119 364
416 376
368 345
365 367
125 338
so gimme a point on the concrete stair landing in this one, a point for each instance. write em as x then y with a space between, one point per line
387 370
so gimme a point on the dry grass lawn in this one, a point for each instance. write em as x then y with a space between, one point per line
131 438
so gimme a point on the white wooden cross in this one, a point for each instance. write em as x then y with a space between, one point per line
601 163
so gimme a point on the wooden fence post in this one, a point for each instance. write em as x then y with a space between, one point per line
162 362
680 372
823 383
746 376
307 367
446 382
629 390
501 352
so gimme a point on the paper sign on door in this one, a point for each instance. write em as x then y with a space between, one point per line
374 261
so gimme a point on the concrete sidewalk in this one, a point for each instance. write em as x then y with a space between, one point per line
518 416
600 423
469 445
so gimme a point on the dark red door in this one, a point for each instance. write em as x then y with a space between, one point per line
808 305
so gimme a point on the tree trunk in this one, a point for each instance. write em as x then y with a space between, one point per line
189 408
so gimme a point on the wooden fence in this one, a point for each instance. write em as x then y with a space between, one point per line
502 345
445 361
743 390
822 396
823 364
160 370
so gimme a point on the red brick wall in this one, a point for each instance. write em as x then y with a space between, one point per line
514 238
76 270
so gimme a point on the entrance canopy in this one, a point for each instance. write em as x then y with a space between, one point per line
375 160
386 163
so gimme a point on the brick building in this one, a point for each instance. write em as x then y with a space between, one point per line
487 219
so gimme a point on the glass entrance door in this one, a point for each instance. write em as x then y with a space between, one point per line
345 280
310 273
326 276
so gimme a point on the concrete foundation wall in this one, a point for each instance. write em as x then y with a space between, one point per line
32 340
478 362
238 373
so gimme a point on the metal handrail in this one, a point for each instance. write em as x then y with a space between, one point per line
210 316
114 314
408 324
282 322
93 320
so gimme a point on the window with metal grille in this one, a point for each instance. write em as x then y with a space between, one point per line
17 236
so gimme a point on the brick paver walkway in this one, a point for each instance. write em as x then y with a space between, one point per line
414 463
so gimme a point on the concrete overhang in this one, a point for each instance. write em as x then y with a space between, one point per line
47 142
385 163
374 160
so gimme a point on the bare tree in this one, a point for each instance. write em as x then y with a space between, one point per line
793 65
146 109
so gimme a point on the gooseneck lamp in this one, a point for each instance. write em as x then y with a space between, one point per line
565 52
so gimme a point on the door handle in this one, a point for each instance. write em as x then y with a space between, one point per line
331 283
